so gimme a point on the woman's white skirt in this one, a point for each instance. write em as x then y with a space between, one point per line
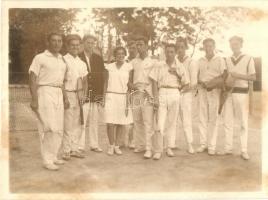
115 105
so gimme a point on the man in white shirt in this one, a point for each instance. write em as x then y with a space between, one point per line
76 69
241 68
168 77
210 66
185 114
143 115
47 73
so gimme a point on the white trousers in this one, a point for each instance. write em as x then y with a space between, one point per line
185 115
169 101
92 113
236 106
72 124
208 117
143 117
51 111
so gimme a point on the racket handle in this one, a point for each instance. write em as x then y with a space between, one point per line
81 115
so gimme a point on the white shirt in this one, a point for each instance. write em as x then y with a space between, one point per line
49 69
244 64
209 69
118 77
76 68
161 74
191 69
142 68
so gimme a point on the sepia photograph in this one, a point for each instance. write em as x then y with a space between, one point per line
134 98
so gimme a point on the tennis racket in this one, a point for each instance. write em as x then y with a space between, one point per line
80 96
138 99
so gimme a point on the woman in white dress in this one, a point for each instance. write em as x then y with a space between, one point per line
117 113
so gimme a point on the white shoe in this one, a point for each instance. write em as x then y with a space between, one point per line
245 156
225 152
59 162
157 156
51 167
190 149
110 150
211 152
148 154
96 149
201 149
117 150
138 150
170 152
131 145
66 156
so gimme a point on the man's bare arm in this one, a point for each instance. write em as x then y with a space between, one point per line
33 89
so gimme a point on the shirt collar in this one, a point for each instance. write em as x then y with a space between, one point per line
174 64
236 58
184 58
214 57
70 56
48 53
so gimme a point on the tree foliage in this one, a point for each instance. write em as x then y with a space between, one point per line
28 29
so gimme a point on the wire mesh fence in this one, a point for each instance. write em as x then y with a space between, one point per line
21 117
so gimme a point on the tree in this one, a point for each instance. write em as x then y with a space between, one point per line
27 35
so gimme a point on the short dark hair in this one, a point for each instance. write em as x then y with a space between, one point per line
171 45
209 40
71 37
183 40
130 43
142 38
49 36
118 49
87 36
235 37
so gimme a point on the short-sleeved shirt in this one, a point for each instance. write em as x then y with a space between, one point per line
243 64
164 78
118 77
191 69
209 69
49 69
142 68
76 68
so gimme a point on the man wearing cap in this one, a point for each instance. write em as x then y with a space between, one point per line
93 106
185 114
241 68
76 69
143 115
210 66
47 73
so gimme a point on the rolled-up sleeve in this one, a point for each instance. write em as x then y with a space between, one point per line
154 73
251 67
222 65
193 73
84 71
35 66
185 78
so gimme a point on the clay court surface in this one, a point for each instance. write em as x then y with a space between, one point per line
99 172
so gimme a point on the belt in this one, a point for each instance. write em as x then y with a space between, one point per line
116 92
73 90
57 86
169 87
240 90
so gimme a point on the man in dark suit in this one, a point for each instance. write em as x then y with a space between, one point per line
94 101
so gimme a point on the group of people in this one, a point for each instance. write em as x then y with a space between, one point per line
140 95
